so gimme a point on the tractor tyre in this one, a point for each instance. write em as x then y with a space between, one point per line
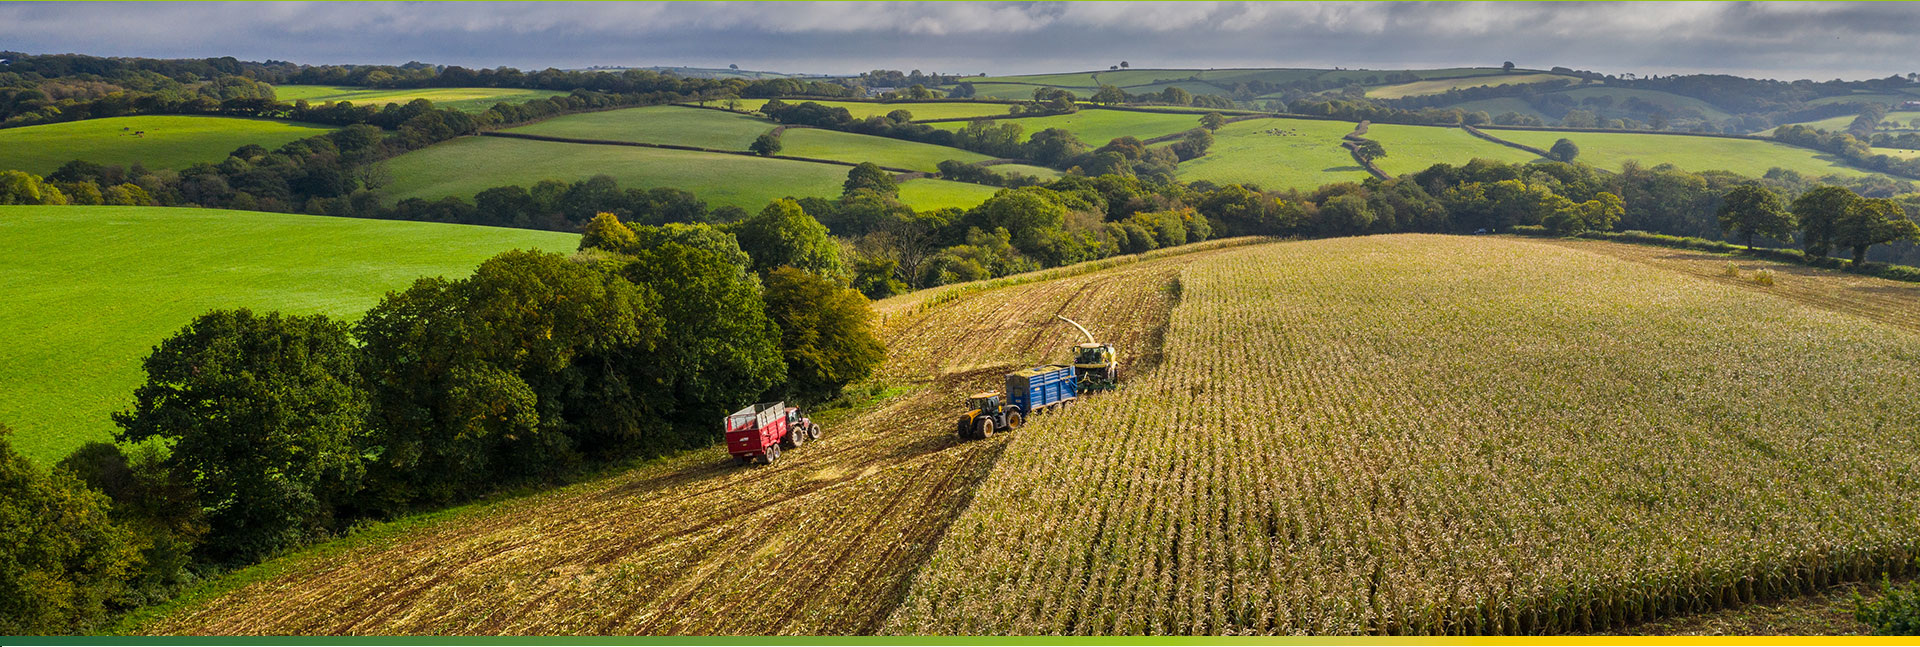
794 439
1014 420
773 453
983 429
965 429
813 431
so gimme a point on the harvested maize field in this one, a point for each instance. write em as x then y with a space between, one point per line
1429 434
823 541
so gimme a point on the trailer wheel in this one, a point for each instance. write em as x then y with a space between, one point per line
1014 421
773 453
983 428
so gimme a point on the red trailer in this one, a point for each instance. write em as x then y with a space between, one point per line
760 431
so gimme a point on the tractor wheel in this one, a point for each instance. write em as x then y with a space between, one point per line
1014 420
795 438
773 453
813 432
964 430
983 429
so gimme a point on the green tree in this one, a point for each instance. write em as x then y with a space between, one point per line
1054 146
1507 66
719 347
1752 210
826 333
1873 221
1212 121
606 232
765 145
1173 95
1194 144
261 413
18 187
1369 150
871 177
784 235
61 557
1345 215
1564 150
1109 95
1818 211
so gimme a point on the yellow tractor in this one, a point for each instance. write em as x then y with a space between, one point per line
1096 364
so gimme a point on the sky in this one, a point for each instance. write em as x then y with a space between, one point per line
1782 40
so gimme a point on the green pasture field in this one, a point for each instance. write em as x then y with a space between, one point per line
1500 106
1423 88
1890 98
1744 156
1411 149
1277 154
921 110
169 142
885 151
677 125
716 129
462 99
1041 172
928 194
1900 120
469 165
1674 103
1901 153
1096 127
1019 91
90 291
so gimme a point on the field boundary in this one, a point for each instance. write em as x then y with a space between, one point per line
1510 144
1889 271
608 142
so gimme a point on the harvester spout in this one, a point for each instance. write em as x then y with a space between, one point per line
1083 329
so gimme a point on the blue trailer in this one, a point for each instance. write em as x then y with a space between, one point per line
1041 388
1029 392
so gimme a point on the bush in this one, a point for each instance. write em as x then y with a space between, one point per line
1895 613
61 557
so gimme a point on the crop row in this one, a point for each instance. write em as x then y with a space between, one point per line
1418 434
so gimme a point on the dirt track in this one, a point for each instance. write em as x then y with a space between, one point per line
826 541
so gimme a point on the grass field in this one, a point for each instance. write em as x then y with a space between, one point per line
1277 154
1041 172
920 110
462 99
657 125
90 290
1410 434
466 166
732 131
170 142
1411 149
1423 88
1895 121
1903 153
1096 127
694 544
1744 156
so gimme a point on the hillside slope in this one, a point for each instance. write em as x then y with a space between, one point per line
90 290
1409 434
823 541
163 141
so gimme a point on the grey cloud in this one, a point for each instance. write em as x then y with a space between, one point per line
1780 40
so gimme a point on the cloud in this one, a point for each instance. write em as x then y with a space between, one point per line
1788 40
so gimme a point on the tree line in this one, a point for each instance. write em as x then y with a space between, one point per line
279 430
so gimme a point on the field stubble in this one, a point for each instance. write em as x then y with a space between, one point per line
825 541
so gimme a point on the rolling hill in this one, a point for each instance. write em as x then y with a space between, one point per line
1423 88
90 290
1295 450
1744 156
462 99
922 110
1096 126
469 165
164 142
715 129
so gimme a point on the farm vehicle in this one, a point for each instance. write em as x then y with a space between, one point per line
1029 392
760 431
1040 389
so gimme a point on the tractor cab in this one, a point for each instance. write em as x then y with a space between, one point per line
1092 355
985 403
986 414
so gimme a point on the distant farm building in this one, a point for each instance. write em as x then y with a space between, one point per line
1910 105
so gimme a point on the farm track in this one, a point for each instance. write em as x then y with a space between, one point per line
824 542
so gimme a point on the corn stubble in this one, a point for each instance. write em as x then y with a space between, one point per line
824 541
1423 434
